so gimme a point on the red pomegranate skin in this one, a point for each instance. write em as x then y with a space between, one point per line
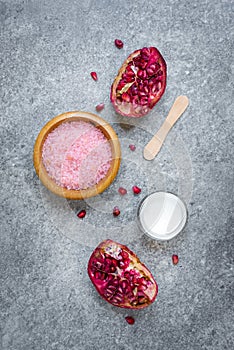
120 277
140 83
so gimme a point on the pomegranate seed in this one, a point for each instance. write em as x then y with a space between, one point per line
126 97
94 75
81 214
100 107
132 147
119 43
122 191
121 85
116 211
175 259
130 320
136 189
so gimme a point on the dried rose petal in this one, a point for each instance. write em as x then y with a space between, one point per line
116 211
122 191
81 214
94 75
100 107
130 320
132 147
136 189
175 259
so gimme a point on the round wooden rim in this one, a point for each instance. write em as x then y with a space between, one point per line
109 133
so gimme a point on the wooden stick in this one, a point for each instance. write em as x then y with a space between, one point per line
153 147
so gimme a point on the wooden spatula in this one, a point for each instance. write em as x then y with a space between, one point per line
153 147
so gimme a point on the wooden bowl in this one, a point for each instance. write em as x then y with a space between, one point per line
109 133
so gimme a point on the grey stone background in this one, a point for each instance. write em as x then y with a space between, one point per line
47 51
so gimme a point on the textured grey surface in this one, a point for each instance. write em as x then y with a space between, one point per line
46 54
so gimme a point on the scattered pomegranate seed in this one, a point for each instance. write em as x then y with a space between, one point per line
132 147
116 211
100 107
122 191
81 214
175 259
130 320
119 43
136 189
94 75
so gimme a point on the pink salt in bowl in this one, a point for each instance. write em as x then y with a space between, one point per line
77 155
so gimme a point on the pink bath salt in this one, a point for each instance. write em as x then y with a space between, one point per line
76 155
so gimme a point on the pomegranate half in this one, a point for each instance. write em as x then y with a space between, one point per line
119 276
140 83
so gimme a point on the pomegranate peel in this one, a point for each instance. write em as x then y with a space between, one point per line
119 276
140 83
